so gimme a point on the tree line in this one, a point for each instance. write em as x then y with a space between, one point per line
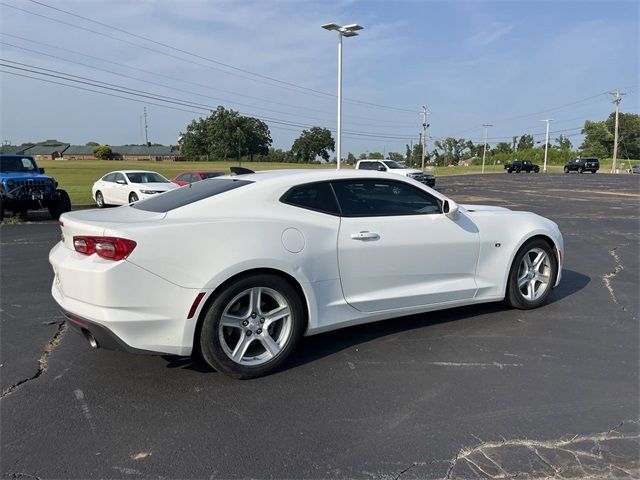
227 135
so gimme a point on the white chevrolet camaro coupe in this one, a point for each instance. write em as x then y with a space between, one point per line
239 268
128 186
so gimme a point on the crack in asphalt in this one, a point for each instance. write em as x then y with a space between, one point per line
22 475
583 456
43 361
606 279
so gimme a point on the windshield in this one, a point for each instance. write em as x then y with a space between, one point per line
17 164
146 177
393 164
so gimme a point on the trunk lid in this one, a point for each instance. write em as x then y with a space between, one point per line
96 221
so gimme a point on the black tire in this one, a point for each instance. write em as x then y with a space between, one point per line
593 171
509 170
133 197
536 170
580 169
213 334
566 169
60 204
514 294
100 199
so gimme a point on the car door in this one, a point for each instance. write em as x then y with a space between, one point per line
106 186
121 190
396 249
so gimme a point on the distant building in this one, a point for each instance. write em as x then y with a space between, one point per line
54 149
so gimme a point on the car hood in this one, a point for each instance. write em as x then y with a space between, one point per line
483 208
23 176
155 186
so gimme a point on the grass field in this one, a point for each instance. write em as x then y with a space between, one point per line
77 176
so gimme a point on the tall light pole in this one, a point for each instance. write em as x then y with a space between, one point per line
345 31
546 144
617 98
484 150
425 116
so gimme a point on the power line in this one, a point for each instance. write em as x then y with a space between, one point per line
150 96
37 52
275 82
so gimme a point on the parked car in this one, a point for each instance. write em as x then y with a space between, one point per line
24 186
192 176
635 169
582 164
239 268
521 166
392 166
128 186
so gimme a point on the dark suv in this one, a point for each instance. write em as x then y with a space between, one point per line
582 164
23 186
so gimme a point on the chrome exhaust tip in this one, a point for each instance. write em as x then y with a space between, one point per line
93 343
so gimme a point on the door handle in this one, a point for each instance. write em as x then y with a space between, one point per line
365 236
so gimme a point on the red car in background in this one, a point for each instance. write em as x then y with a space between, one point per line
192 176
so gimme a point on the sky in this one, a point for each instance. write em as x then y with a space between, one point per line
81 71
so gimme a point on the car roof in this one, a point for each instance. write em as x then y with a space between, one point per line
132 171
300 176
200 171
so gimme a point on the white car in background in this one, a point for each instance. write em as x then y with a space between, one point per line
128 186
239 268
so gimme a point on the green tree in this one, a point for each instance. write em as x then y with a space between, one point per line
628 134
103 152
351 159
502 147
376 156
525 142
451 150
226 133
92 144
564 143
598 140
316 141
398 157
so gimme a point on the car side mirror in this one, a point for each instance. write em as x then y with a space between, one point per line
382 169
41 170
121 181
450 208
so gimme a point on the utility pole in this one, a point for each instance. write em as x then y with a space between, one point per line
410 156
484 150
617 98
420 140
546 145
424 133
146 132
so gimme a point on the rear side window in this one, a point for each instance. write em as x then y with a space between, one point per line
369 166
189 194
313 196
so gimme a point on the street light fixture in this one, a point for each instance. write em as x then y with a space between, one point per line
350 30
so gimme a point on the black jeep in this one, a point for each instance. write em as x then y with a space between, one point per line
582 164
23 186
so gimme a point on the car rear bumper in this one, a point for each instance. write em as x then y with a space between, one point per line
122 305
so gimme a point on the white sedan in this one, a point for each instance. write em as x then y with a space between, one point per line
239 268
128 186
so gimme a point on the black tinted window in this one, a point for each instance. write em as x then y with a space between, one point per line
189 194
369 165
368 198
313 196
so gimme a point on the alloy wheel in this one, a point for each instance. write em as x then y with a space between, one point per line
534 274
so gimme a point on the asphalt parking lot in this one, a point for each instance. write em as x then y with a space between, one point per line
474 392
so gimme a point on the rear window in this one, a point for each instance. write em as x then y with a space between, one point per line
189 194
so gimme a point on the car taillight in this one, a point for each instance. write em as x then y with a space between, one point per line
112 248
